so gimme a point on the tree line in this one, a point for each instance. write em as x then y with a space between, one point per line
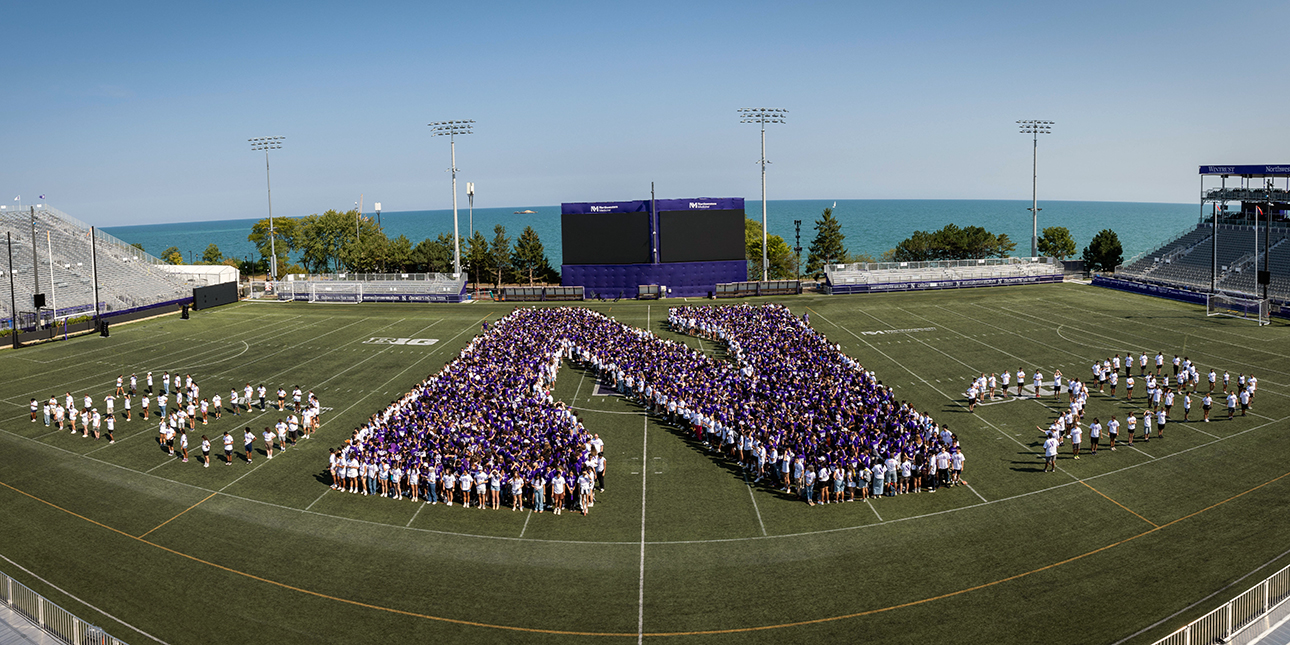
344 241
951 242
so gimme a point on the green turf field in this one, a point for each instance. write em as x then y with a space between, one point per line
1132 543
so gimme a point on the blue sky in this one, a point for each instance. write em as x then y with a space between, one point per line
139 113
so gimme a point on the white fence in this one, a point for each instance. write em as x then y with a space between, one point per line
55 620
1241 620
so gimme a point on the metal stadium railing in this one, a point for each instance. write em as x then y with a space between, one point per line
51 618
1242 619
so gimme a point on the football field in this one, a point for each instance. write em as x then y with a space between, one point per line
1120 546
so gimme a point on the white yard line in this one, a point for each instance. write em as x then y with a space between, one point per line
754 501
976 493
316 500
640 614
414 515
526 522
875 511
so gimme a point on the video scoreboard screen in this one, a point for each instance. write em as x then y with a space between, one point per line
605 233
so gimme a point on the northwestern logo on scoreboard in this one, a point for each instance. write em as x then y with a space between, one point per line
701 205
603 209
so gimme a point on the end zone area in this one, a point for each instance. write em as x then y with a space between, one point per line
1120 545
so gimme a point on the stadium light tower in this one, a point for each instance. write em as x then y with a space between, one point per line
451 129
266 144
1034 129
762 116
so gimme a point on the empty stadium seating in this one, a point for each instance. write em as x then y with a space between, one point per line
128 277
1188 260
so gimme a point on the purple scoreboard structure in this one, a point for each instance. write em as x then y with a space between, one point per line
686 245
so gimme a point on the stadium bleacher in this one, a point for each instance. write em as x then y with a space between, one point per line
128 278
1187 260
868 277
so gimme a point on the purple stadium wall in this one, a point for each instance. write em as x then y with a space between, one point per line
685 279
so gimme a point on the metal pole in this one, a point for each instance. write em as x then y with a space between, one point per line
1034 198
1213 269
34 273
13 298
797 248
53 291
94 270
1267 238
273 247
456 239
765 272
470 197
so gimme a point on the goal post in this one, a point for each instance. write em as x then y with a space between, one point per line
1220 304
342 292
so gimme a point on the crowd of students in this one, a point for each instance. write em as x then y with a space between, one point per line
1165 389
789 407
189 406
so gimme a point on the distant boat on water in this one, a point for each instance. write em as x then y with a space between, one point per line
525 212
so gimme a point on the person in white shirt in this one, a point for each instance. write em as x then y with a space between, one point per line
1207 403
1038 381
1077 435
1050 453
1021 380
1094 435
1005 379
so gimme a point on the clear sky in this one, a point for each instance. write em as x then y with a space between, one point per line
138 113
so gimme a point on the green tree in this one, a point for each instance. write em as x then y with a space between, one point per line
367 253
434 256
778 255
499 255
138 245
529 259
285 230
172 256
1057 242
828 246
951 243
212 255
475 256
322 238
399 254
1104 253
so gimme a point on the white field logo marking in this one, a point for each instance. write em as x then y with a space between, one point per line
381 340
897 331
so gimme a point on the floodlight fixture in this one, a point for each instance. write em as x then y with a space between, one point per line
451 129
761 116
266 144
1034 128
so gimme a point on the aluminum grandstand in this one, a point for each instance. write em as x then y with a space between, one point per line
875 277
363 287
53 255
1246 231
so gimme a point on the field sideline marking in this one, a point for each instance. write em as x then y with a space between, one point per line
641 633
176 516
1188 607
65 593
1108 497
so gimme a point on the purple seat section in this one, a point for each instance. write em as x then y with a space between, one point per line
685 279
